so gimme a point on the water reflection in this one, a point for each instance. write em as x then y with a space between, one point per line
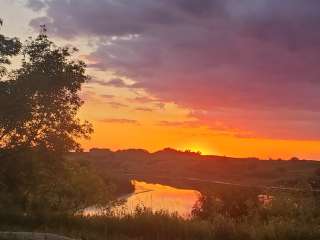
156 197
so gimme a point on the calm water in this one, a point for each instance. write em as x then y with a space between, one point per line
157 197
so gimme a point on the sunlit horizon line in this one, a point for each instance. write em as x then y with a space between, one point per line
186 150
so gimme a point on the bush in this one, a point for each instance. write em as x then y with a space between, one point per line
38 183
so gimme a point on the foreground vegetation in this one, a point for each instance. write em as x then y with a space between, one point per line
289 216
39 125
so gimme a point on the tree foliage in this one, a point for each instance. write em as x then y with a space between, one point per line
39 125
9 47
40 102
232 202
35 183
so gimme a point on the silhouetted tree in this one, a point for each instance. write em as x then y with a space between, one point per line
42 99
39 103
233 202
8 47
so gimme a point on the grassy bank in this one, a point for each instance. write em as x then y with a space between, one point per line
289 217
163 226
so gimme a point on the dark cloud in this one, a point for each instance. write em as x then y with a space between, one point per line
230 58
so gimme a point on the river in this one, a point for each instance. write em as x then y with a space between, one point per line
156 197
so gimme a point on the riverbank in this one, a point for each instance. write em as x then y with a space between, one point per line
289 217
147 225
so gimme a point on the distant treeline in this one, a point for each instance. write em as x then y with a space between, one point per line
183 165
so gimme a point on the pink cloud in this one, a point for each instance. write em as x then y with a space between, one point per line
253 66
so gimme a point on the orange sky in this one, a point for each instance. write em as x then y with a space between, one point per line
246 89
123 126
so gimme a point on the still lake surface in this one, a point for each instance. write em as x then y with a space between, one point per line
156 197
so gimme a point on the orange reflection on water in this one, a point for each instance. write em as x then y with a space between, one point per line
161 197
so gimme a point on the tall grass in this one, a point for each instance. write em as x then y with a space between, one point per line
288 217
143 224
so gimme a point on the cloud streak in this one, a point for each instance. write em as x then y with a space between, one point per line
115 82
120 121
144 109
116 104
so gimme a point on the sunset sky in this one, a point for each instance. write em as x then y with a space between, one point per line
225 77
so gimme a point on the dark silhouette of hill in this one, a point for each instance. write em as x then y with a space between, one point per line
186 165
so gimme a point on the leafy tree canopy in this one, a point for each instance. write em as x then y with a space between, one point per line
39 103
9 47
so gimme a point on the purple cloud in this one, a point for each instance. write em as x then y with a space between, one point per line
252 65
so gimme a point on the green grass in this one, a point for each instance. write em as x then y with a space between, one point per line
160 225
289 217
